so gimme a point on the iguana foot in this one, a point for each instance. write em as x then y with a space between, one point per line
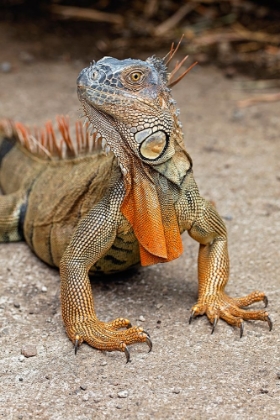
105 336
229 309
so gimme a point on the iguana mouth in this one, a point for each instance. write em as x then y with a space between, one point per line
91 114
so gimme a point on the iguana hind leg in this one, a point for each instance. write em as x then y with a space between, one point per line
213 273
12 212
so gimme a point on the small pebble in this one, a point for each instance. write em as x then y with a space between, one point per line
29 350
159 305
278 375
176 391
237 115
123 394
44 289
5 67
16 305
83 387
227 217
20 379
104 363
141 318
26 57
230 72
21 358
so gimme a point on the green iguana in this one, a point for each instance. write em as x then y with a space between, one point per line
123 193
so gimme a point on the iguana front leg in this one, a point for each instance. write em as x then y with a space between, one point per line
213 272
93 237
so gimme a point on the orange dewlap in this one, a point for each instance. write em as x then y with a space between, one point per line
155 227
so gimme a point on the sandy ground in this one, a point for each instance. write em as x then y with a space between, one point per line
190 374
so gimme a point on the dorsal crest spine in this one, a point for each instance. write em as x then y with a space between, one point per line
49 143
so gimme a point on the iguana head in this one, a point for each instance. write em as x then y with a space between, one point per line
133 98
129 104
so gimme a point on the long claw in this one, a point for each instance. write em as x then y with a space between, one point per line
76 345
146 333
127 354
191 317
241 329
214 324
265 301
270 323
150 344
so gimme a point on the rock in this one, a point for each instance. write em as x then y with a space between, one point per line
26 57
237 115
29 350
5 67
123 394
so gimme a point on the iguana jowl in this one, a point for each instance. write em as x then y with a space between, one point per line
84 210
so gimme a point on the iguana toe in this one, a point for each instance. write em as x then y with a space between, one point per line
230 310
119 323
105 336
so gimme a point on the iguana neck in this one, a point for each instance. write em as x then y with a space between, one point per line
149 201
149 206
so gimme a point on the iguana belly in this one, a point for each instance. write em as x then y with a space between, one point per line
123 254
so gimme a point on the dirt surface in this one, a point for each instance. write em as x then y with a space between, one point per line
190 374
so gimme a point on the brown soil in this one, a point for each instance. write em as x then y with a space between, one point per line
190 374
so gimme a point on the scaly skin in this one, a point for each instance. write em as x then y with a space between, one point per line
91 212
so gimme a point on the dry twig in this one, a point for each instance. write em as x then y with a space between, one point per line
259 84
269 97
174 19
80 13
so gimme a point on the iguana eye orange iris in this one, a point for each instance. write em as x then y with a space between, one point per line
136 76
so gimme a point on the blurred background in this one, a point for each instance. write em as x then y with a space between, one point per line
236 35
230 107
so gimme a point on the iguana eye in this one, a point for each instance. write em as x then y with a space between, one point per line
154 145
135 76
94 74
